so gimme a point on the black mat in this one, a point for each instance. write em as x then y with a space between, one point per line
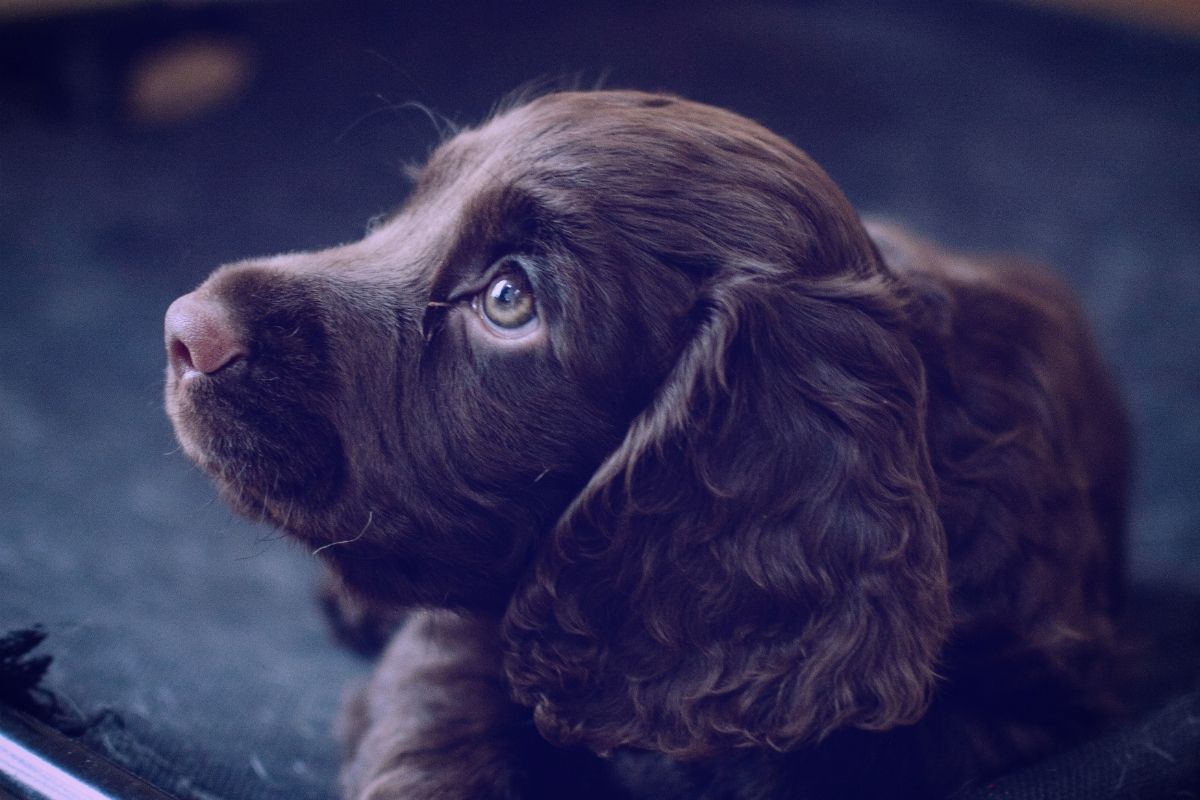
988 126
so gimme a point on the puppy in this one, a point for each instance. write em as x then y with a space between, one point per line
683 464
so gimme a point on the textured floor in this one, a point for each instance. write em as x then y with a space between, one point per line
985 126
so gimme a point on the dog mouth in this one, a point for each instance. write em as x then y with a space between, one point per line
263 453
251 402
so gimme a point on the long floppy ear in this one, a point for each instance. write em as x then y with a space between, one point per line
760 562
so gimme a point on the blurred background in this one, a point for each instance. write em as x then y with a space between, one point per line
144 143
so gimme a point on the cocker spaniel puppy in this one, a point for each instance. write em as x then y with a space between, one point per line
698 482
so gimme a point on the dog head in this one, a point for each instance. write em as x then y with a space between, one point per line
628 369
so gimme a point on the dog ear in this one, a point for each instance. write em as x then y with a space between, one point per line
760 562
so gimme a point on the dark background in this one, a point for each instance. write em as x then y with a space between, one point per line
987 126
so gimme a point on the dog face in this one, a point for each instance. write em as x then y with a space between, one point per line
629 369
440 390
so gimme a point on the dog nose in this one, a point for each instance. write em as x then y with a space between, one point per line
201 335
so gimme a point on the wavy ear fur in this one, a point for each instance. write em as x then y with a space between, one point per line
760 562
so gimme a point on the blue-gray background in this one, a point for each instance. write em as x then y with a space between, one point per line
987 126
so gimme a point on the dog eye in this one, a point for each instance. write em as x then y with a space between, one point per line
508 302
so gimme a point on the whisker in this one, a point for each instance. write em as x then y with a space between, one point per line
370 516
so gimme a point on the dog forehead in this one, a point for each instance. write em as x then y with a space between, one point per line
565 154
563 132
501 153
465 177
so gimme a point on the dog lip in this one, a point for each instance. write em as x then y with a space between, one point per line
188 375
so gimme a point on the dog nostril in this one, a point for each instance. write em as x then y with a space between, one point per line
178 355
201 336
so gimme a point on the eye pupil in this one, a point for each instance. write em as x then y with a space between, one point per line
505 293
508 302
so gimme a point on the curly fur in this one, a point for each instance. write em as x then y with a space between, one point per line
774 491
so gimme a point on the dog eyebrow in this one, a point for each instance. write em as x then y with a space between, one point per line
498 221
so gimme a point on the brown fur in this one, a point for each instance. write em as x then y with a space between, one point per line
803 505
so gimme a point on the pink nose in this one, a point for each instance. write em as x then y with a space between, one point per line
201 336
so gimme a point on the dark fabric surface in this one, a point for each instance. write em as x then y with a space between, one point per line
1153 758
987 126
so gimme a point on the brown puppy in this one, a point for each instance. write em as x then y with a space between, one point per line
698 465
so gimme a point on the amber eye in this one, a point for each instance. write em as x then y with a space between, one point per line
508 302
